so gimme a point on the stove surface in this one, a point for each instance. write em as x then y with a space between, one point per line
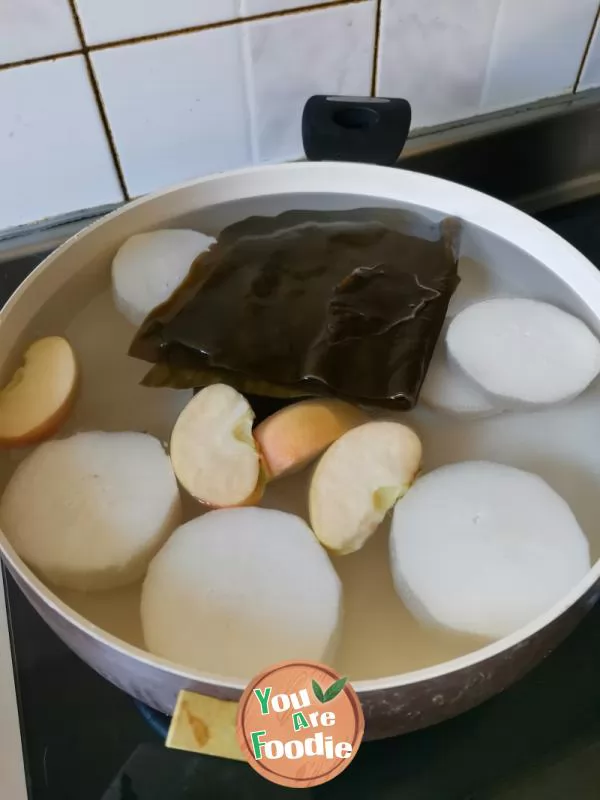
83 739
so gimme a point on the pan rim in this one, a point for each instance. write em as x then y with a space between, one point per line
384 183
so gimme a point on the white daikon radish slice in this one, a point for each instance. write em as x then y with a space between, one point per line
523 352
91 511
446 388
484 548
237 590
148 268
358 480
213 452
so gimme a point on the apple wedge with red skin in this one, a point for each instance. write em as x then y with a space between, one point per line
293 437
40 394
221 462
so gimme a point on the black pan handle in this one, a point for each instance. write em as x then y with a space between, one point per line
371 130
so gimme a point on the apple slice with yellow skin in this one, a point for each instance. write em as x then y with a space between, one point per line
293 437
212 449
358 480
40 394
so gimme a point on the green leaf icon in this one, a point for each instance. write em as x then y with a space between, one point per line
318 692
335 689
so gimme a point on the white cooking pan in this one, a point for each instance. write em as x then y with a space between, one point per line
406 677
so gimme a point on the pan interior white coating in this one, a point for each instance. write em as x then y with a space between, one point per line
380 639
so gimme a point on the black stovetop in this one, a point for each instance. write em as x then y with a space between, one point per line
540 740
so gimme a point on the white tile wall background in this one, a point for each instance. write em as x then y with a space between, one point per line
590 75
537 50
456 58
328 51
435 53
114 20
177 106
107 99
54 156
33 28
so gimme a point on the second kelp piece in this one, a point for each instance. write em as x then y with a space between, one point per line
347 304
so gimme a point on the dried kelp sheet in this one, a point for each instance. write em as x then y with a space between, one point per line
347 304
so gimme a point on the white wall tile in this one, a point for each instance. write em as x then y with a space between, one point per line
110 20
590 75
176 106
32 28
537 50
251 7
54 157
434 53
328 51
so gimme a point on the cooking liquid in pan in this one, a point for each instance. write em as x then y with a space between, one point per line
380 638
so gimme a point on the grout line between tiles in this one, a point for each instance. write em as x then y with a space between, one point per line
151 37
375 67
100 103
587 49
26 62
168 34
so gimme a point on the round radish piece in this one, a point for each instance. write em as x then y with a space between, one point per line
447 389
523 352
90 512
358 480
238 589
484 548
148 268
213 452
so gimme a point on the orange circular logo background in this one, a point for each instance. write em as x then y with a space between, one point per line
299 724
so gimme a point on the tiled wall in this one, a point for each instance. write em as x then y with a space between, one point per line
101 100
